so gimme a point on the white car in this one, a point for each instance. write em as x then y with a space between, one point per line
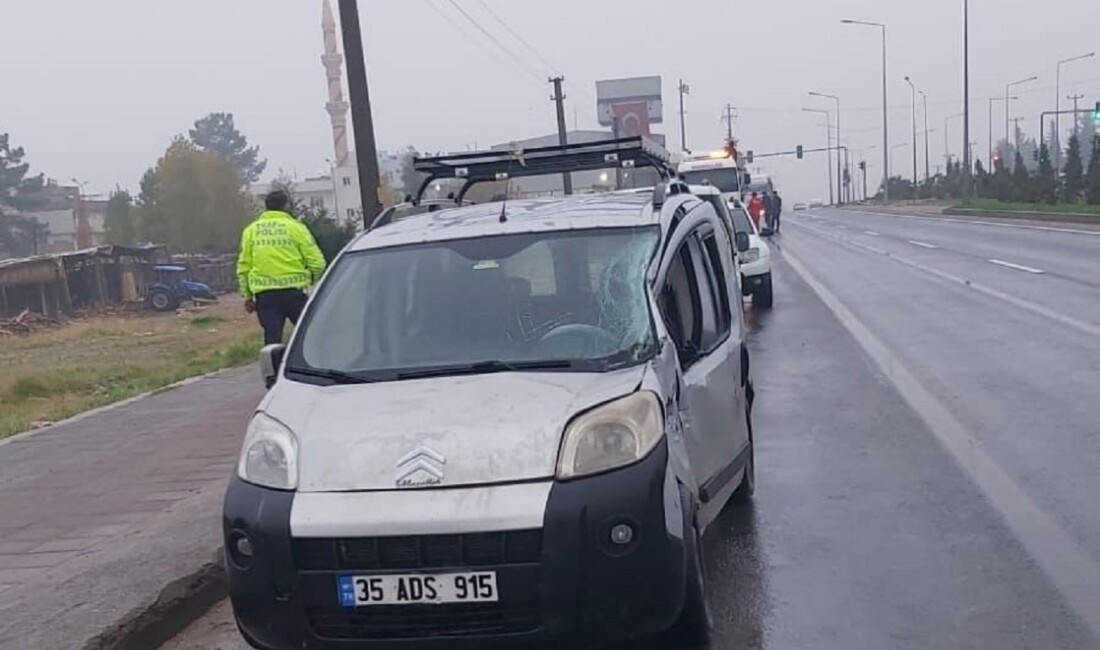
799 207
499 424
755 260
817 203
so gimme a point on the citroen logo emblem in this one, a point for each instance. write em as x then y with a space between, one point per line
422 466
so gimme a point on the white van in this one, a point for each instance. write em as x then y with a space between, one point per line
499 424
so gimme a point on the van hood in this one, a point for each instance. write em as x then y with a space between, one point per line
438 432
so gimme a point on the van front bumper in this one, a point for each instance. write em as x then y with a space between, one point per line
566 585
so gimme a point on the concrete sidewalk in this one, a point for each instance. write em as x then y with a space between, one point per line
99 515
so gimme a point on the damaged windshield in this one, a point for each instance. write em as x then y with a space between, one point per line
535 301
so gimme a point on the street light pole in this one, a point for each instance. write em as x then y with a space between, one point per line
1058 102
927 166
913 88
967 162
885 108
829 145
1008 88
839 179
684 90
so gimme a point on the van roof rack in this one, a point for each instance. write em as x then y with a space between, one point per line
502 165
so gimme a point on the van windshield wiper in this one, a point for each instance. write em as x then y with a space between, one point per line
335 376
486 367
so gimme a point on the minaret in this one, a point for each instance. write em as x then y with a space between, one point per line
336 106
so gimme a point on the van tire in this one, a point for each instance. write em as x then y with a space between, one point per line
763 298
692 628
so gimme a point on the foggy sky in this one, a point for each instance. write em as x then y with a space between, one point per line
95 90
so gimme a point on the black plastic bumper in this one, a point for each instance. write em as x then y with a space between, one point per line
584 590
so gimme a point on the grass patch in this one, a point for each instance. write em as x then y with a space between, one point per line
1010 206
51 375
206 321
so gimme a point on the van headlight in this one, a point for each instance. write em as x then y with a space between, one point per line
612 435
269 457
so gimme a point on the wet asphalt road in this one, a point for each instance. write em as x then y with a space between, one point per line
929 445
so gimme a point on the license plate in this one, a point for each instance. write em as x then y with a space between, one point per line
418 589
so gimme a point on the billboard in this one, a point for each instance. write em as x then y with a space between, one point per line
634 102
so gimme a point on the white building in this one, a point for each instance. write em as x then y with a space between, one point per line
338 196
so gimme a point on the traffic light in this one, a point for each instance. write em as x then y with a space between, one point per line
863 165
798 152
748 156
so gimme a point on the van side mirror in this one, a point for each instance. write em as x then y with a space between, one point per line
271 358
742 241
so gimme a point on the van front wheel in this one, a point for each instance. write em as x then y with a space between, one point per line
692 629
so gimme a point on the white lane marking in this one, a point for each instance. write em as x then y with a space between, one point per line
871 233
1074 572
995 224
1069 321
1018 267
922 244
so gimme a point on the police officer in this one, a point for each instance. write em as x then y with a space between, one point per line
278 260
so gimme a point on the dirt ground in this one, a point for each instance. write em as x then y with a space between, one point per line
54 373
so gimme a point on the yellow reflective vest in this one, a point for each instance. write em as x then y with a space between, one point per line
277 252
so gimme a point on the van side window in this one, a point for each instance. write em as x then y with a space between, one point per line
681 304
710 332
719 287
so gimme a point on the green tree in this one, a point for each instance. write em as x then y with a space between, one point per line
19 234
1054 145
410 178
119 220
981 180
218 134
1046 184
193 201
1022 188
1086 127
1075 172
1092 181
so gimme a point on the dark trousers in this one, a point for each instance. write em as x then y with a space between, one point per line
276 307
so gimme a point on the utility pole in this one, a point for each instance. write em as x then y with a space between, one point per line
729 118
1016 132
1076 120
563 136
1008 89
362 120
684 90
1058 102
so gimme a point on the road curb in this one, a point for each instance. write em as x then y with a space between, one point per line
117 405
179 604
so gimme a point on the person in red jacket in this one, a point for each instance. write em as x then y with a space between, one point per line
756 209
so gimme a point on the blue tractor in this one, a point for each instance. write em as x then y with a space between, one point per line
172 286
